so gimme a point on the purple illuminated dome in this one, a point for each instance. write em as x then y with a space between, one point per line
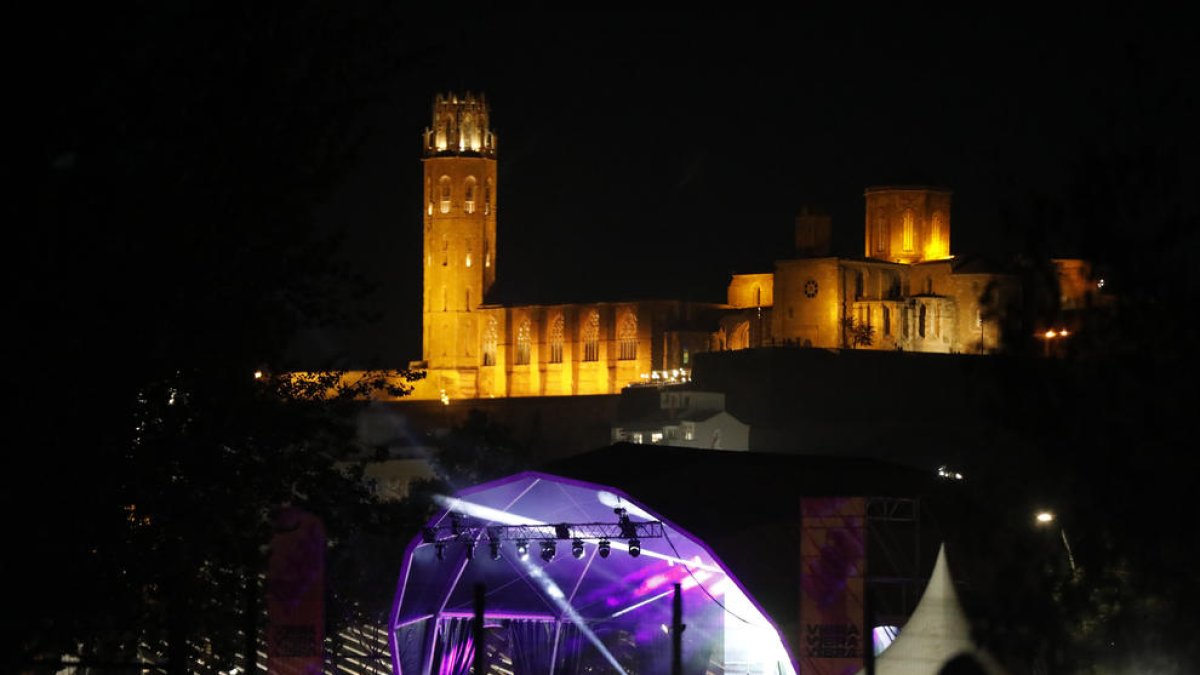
585 610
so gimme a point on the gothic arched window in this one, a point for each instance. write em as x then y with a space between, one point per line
523 342
909 230
469 195
627 337
591 337
556 339
444 194
489 342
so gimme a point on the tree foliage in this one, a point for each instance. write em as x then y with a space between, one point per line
182 151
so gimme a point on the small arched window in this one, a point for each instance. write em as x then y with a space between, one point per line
429 197
591 336
757 295
858 285
887 320
556 339
627 337
909 230
489 342
469 195
524 340
487 197
880 231
444 194
921 321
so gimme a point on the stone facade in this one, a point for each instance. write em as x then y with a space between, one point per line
906 293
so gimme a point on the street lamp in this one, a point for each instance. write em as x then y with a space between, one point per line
1049 335
1043 518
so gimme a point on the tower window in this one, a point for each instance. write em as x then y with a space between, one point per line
444 192
469 195
489 342
556 339
591 337
487 197
523 342
909 230
627 338
880 232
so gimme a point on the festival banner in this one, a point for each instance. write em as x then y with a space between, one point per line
833 564
296 595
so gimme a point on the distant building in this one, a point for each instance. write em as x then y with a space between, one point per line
683 418
907 292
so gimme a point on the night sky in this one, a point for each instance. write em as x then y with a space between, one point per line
651 159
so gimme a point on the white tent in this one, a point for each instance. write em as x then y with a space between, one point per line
936 632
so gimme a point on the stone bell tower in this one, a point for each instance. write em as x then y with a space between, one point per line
459 212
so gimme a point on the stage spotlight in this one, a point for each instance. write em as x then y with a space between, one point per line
635 548
604 548
548 551
470 550
523 548
577 548
495 549
439 549
562 531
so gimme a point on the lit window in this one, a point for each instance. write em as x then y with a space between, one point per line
689 431
591 337
656 437
523 342
489 342
627 338
636 437
469 195
444 190
468 259
556 339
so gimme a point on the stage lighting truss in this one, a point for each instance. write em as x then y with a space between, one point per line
464 529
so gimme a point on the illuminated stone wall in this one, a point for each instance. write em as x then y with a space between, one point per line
807 307
751 290
907 224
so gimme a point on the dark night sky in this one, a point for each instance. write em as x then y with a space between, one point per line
644 157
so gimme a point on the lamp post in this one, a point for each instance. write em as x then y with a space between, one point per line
1045 518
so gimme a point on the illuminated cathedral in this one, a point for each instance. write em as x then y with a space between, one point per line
906 293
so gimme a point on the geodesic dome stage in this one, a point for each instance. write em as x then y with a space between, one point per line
564 611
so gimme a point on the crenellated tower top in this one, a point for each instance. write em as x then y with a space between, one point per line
460 127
